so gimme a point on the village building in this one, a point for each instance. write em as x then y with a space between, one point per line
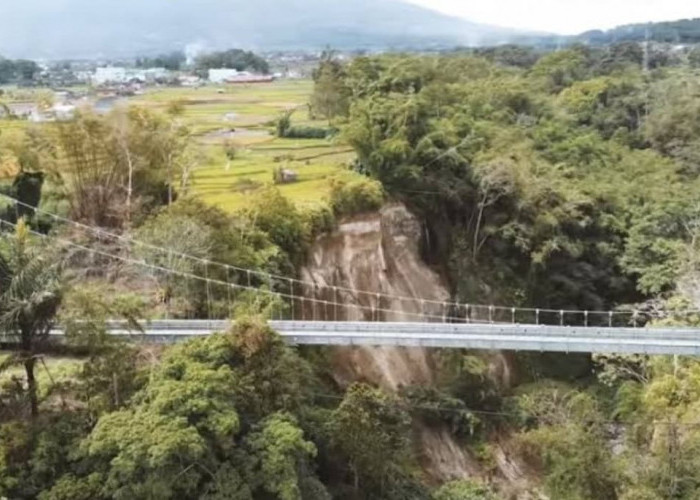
110 74
221 75
226 75
121 75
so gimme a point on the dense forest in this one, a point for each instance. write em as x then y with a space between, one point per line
19 70
173 61
566 179
568 182
560 180
684 31
238 59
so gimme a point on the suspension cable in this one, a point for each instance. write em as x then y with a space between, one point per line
313 285
234 286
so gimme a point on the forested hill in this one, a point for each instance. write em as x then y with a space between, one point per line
561 181
684 31
558 180
76 28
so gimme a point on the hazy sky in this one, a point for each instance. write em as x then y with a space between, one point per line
565 16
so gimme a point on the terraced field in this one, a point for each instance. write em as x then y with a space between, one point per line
242 116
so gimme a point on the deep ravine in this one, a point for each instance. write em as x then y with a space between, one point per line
379 252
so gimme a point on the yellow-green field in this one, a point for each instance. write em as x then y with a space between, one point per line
230 184
242 115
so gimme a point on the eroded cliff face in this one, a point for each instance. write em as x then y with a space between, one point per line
380 253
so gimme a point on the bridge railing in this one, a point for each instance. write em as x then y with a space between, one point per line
292 298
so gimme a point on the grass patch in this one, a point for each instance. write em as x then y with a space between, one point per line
246 185
54 370
230 184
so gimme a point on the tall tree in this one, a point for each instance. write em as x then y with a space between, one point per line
694 57
331 95
30 294
172 61
238 59
371 431
114 166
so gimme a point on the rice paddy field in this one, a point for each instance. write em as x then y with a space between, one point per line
242 116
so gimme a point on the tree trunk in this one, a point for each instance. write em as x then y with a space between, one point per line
170 179
115 385
31 385
475 249
130 187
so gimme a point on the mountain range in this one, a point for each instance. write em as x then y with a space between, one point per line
56 29
124 28
682 31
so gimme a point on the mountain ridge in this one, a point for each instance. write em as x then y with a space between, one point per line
682 31
82 28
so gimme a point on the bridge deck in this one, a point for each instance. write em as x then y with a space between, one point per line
682 341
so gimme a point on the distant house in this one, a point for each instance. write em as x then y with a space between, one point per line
83 76
284 176
120 75
22 109
190 81
110 74
221 75
63 112
289 176
58 112
226 75
155 74
246 77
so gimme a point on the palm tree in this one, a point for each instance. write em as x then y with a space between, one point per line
30 294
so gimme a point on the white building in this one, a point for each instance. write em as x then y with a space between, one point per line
222 75
58 112
154 74
120 75
190 81
110 74
63 112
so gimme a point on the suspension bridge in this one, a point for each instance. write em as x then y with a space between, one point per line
311 313
514 337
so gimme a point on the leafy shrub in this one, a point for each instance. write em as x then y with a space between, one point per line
435 407
176 107
191 227
283 123
569 443
320 220
230 150
245 185
370 429
355 196
463 490
284 128
274 214
305 132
